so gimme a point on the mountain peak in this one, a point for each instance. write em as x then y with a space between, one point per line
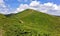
30 22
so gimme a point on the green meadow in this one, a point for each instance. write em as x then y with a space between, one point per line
29 23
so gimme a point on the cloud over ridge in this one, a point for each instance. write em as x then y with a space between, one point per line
48 7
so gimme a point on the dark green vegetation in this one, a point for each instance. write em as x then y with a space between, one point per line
29 23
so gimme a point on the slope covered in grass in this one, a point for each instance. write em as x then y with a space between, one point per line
30 23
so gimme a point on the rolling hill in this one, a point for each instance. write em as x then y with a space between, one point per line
29 23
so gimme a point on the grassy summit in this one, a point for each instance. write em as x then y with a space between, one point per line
29 23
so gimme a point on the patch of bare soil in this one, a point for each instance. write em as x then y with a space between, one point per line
1 32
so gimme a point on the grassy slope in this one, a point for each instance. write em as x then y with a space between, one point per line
31 23
2 20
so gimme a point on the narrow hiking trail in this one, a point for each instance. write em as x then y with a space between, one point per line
1 32
26 14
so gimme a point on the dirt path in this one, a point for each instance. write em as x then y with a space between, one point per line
26 14
1 32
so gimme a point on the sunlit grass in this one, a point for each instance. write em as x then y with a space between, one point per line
34 24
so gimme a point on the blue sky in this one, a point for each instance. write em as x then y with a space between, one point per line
13 6
53 1
16 3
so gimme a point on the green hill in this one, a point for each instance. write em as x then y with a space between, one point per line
29 23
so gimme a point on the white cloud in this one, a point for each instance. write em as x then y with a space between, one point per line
34 3
21 7
49 8
1 1
3 8
55 6
48 4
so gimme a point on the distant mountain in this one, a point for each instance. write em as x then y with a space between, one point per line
29 23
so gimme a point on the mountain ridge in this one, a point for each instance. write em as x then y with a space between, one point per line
30 23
